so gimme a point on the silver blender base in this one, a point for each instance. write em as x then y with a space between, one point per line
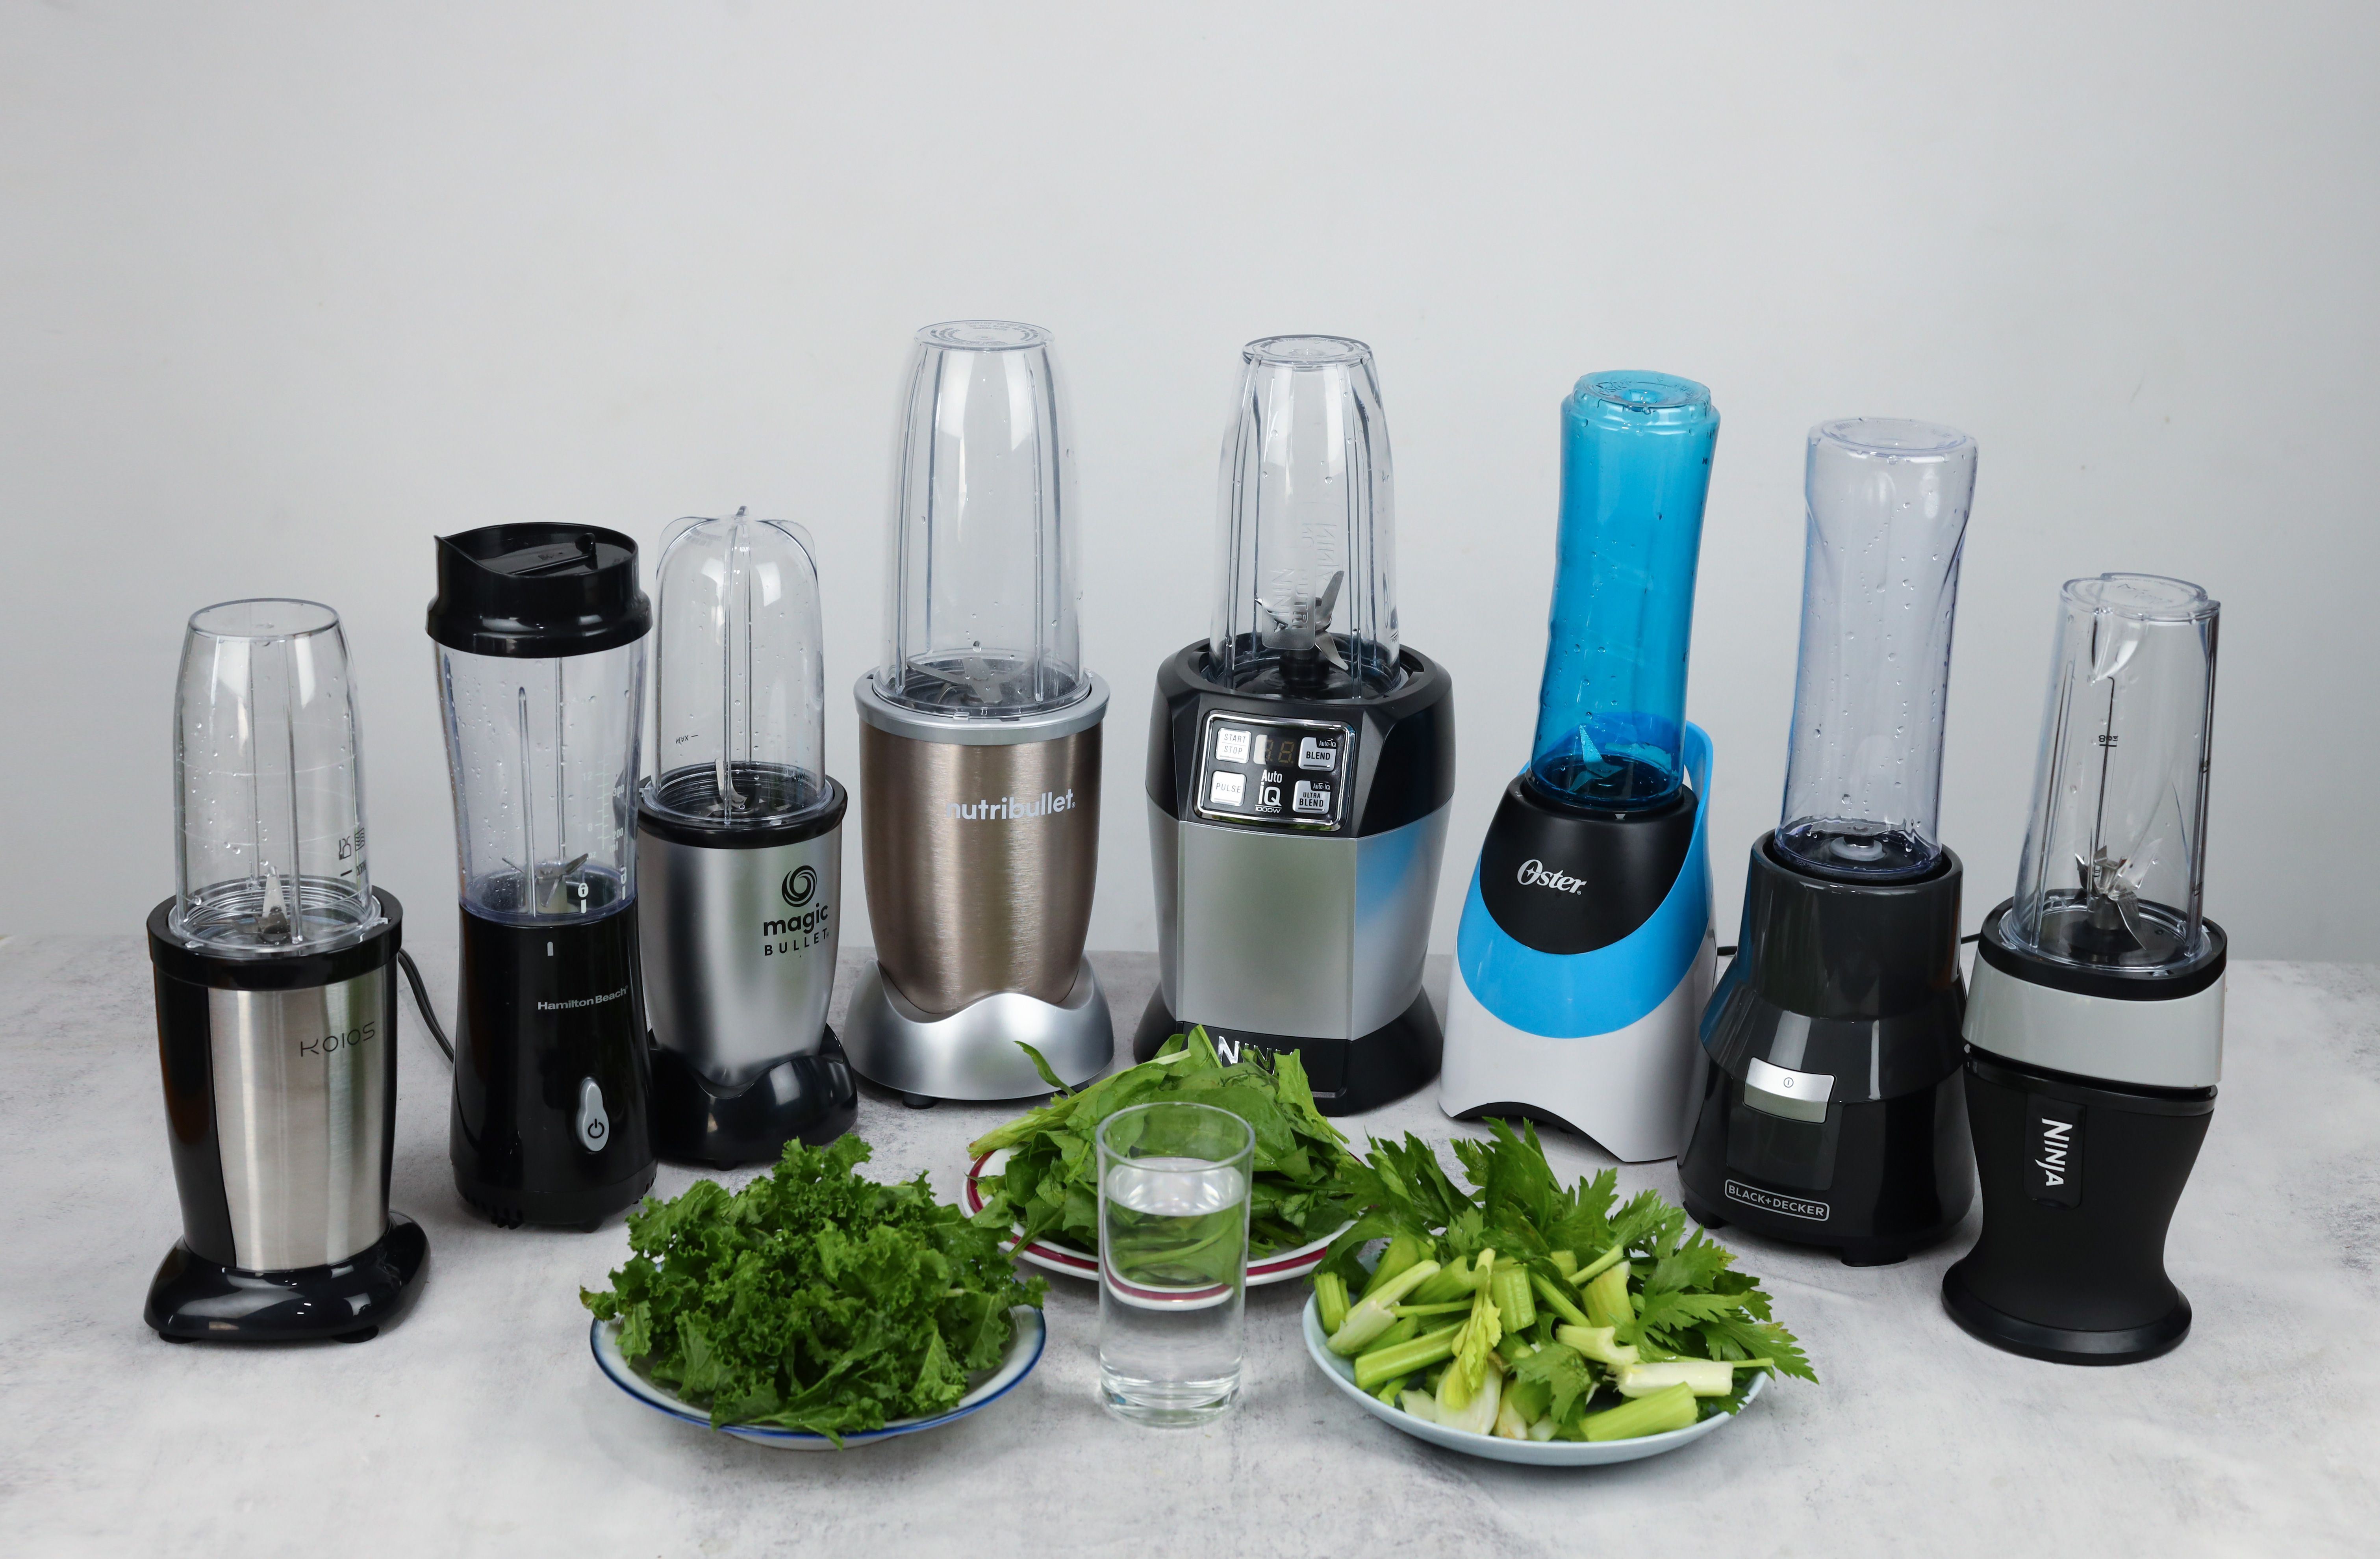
972 1053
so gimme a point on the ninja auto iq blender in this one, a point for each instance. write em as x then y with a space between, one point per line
979 741
1585 948
739 850
1300 759
1826 1108
277 1001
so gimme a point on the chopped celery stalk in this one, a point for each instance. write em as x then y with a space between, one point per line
1404 1251
1557 1301
1513 1306
1672 1409
1513 1349
1330 1301
1453 1281
1510 1424
1598 1267
1606 1298
1404 1359
1391 1392
1704 1377
1564 1262
1407 1328
1420 1403
1447 1309
1542 1430
1474 1410
1595 1343
1475 1350
1375 1313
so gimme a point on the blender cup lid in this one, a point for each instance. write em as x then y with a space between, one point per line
536 592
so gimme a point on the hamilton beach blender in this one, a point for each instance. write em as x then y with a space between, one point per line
1826 1108
1586 949
1301 759
979 741
276 1002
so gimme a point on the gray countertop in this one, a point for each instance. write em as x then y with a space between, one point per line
480 1424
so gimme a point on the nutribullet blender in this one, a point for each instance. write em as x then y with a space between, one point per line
739 850
1586 949
540 629
276 1002
979 741
1826 1108
2095 1030
1301 759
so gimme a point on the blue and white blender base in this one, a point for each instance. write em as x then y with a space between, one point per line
1580 977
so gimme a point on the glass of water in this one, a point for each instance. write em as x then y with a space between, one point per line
1173 1260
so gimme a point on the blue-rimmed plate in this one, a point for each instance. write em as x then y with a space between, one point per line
1531 1452
1023 1353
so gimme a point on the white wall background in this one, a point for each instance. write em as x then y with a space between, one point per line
285 290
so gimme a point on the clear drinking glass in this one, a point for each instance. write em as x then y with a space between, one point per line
1173 1260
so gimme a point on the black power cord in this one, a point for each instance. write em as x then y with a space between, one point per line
422 1000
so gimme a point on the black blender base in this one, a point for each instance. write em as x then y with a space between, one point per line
509 1207
2060 1344
696 1121
193 1300
1851 1250
1348 1075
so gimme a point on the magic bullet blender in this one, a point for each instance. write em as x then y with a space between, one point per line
540 630
1585 948
1826 1107
979 741
1301 759
739 850
2096 1029
277 1001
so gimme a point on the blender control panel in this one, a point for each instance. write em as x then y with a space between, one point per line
1289 773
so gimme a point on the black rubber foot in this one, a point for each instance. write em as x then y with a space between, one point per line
2060 1345
918 1100
193 1300
696 1121
1873 1255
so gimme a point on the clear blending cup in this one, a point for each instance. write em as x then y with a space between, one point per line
1173 1260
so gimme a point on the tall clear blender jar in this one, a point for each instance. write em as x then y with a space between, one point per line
276 1003
739 849
1830 1055
540 632
980 737
2095 1034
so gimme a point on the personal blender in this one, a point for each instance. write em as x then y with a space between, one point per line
739 850
277 1001
1826 1108
540 631
1586 949
1301 759
2095 1030
979 741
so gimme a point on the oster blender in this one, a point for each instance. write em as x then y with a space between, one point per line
2095 1030
277 1001
739 850
1300 758
1826 1107
979 741
540 631
1585 948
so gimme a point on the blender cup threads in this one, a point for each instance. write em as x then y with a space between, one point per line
2095 1030
739 848
1825 1106
1586 949
980 739
276 1003
1301 759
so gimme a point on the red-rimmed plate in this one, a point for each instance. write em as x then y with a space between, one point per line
1049 1255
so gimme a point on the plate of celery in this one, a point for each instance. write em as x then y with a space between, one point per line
1528 1321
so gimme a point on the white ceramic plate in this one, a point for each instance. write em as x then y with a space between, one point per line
1533 1452
1054 1256
1023 1353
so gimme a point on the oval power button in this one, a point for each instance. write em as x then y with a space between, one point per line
594 1128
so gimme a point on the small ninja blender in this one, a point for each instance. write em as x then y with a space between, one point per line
2095 1030
1301 759
1826 1108
739 851
1585 948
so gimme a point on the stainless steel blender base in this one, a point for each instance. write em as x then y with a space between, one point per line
972 1053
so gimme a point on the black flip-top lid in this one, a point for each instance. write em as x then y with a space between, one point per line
538 591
